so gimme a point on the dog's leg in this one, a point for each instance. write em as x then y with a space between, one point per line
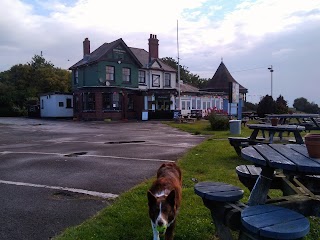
169 232
155 232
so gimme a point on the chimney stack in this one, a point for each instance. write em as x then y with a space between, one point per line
153 47
86 47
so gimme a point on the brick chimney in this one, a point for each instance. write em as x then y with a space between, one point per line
153 47
86 47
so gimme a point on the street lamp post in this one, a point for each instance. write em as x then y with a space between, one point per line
271 71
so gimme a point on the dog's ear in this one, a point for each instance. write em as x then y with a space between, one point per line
151 198
171 198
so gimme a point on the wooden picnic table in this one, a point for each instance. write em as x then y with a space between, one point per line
310 121
293 161
263 217
295 129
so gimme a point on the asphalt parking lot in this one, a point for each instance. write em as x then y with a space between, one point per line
57 173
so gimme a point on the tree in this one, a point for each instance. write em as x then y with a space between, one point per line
266 106
281 105
185 74
303 105
27 81
300 104
248 106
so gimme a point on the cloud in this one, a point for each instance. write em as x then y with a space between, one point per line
246 34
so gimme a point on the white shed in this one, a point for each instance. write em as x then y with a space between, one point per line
56 105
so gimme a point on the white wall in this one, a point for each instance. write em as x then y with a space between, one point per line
49 105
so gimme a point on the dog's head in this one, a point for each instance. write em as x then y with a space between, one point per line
162 210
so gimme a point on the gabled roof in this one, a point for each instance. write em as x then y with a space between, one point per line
220 81
101 51
140 56
143 57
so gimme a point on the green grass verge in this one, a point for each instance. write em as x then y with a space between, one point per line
127 217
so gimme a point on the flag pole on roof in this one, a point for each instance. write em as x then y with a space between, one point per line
178 65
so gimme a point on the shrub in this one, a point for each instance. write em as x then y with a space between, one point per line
218 121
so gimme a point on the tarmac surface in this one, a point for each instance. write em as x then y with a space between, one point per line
57 173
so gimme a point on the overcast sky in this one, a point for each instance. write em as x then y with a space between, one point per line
248 35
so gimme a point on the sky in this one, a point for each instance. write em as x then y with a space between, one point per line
247 35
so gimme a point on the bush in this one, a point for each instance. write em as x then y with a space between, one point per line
218 121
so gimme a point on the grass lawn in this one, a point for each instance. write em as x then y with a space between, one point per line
212 160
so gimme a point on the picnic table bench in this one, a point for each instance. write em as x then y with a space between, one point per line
240 142
222 200
254 222
272 222
185 119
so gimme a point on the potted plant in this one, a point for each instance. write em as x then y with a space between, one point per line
312 141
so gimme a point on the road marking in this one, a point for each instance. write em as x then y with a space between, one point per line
178 145
90 155
91 193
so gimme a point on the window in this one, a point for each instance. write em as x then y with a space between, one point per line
183 105
126 74
167 79
194 103
198 103
111 101
150 102
186 104
204 105
89 103
155 80
76 77
60 104
68 103
42 104
208 104
142 77
109 73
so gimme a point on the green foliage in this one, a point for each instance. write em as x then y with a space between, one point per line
24 81
248 106
268 106
185 74
218 122
302 104
281 105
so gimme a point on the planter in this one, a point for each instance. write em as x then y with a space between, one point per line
312 142
274 121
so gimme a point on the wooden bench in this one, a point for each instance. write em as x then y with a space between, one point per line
272 222
222 200
240 142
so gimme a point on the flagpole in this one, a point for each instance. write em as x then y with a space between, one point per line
178 66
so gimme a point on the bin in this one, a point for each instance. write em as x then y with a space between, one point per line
144 116
235 126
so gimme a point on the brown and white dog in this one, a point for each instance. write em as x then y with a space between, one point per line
164 198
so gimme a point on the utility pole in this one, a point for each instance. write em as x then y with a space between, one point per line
271 71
